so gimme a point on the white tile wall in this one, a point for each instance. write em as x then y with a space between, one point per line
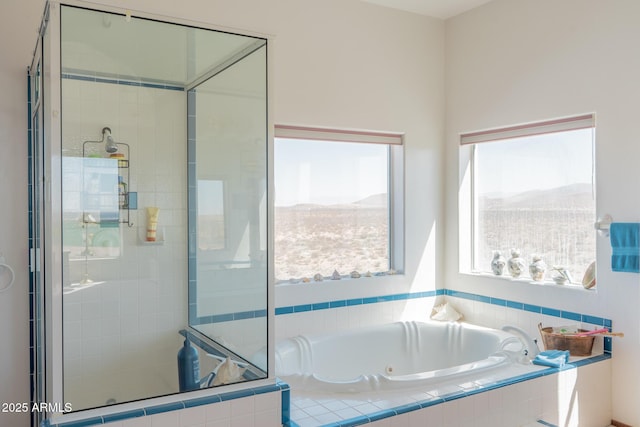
495 316
262 410
121 335
573 398
349 317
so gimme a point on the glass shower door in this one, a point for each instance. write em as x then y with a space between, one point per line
227 125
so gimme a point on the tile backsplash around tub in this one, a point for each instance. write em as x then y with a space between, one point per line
497 312
335 315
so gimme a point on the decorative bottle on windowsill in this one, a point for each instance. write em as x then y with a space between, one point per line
537 268
516 265
497 263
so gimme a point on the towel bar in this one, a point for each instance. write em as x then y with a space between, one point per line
602 225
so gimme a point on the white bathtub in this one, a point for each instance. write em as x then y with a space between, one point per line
390 356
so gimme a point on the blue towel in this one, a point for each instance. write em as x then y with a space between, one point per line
553 358
625 245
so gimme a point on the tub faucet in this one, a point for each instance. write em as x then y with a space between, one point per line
529 345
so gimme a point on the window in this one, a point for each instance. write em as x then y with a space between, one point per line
337 203
532 189
211 219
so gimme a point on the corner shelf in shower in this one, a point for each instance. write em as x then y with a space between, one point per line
142 237
144 242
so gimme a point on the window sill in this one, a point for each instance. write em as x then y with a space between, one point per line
345 278
577 287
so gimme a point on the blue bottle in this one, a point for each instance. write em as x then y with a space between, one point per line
188 367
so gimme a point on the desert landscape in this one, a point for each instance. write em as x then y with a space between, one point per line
311 239
556 224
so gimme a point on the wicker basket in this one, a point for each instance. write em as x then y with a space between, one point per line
577 346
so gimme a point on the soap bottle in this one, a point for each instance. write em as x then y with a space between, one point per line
188 367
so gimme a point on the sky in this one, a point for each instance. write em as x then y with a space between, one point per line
534 163
210 197
318 171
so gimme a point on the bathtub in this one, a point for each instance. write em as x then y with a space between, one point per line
391 356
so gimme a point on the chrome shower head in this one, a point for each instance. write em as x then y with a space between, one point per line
110 145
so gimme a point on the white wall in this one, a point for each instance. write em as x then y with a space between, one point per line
376 69
515 61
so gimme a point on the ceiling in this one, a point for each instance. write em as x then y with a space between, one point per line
442 9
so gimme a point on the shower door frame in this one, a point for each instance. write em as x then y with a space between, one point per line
35 95
45 260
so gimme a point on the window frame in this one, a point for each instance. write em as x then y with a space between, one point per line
467 197
395 180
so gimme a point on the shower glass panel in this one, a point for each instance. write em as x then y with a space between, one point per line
169 117
228 205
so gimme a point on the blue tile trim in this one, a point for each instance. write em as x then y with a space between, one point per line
239 394
326 305
358 421
125 82
533 308
123 415
207 400
81 423
365 419
285 398
379 415
516 305
550 312
283 310
167 407
571 315
279 386
498 301
594 320
302 308
192 220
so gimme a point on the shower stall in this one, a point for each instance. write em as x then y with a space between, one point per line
149 201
